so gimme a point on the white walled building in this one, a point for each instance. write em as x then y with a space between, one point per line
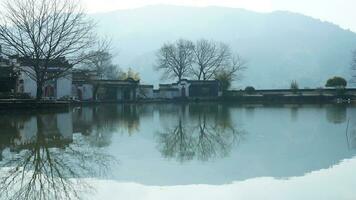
54 89
83 91
82 85
145 92
57 88
190 89
52 125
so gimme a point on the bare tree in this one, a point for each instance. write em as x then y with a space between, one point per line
176 59
100 60
231 71
42 31
209 57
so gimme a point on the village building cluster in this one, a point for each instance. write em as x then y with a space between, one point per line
85 85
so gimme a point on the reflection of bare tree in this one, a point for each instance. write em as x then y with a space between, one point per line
177 143
214 139
207 134
49 166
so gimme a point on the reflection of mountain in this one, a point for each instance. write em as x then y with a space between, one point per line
304 49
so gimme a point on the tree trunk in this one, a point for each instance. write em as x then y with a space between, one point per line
39 91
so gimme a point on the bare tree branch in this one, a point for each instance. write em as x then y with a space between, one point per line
210 56
43 31
176 59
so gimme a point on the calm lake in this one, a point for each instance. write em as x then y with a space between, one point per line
179 151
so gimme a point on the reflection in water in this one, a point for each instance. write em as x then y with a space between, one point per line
101 122
206 133
351 133
47 155
44 158
294 113
336 114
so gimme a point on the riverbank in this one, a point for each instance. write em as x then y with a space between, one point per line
264 97
287 96
292 99
32 104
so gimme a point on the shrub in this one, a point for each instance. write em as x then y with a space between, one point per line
249 90
336 82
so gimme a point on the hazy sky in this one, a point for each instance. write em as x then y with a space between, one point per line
341 12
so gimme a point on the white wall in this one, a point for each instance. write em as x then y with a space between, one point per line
145 93
120 94
86 89
168 94
29 85
186 85
88 92
64 87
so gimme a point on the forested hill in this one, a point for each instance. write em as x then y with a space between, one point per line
279 46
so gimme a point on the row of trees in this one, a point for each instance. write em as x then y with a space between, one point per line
335 82
202 60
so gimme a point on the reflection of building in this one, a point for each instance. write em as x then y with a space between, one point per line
57 130
190 89
83 120
52 130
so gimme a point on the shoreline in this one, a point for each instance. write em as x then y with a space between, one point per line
16 104
260 97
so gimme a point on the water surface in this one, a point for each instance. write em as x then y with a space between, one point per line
179 151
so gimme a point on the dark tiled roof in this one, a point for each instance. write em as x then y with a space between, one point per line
53 64
146 86
169 89
201 81
116 82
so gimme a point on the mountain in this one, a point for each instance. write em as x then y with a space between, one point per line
279 46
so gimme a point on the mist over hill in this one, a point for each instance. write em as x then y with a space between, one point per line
279 46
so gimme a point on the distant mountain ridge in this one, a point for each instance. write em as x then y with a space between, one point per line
279 46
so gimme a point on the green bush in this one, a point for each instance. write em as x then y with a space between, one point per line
249 90
336 82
